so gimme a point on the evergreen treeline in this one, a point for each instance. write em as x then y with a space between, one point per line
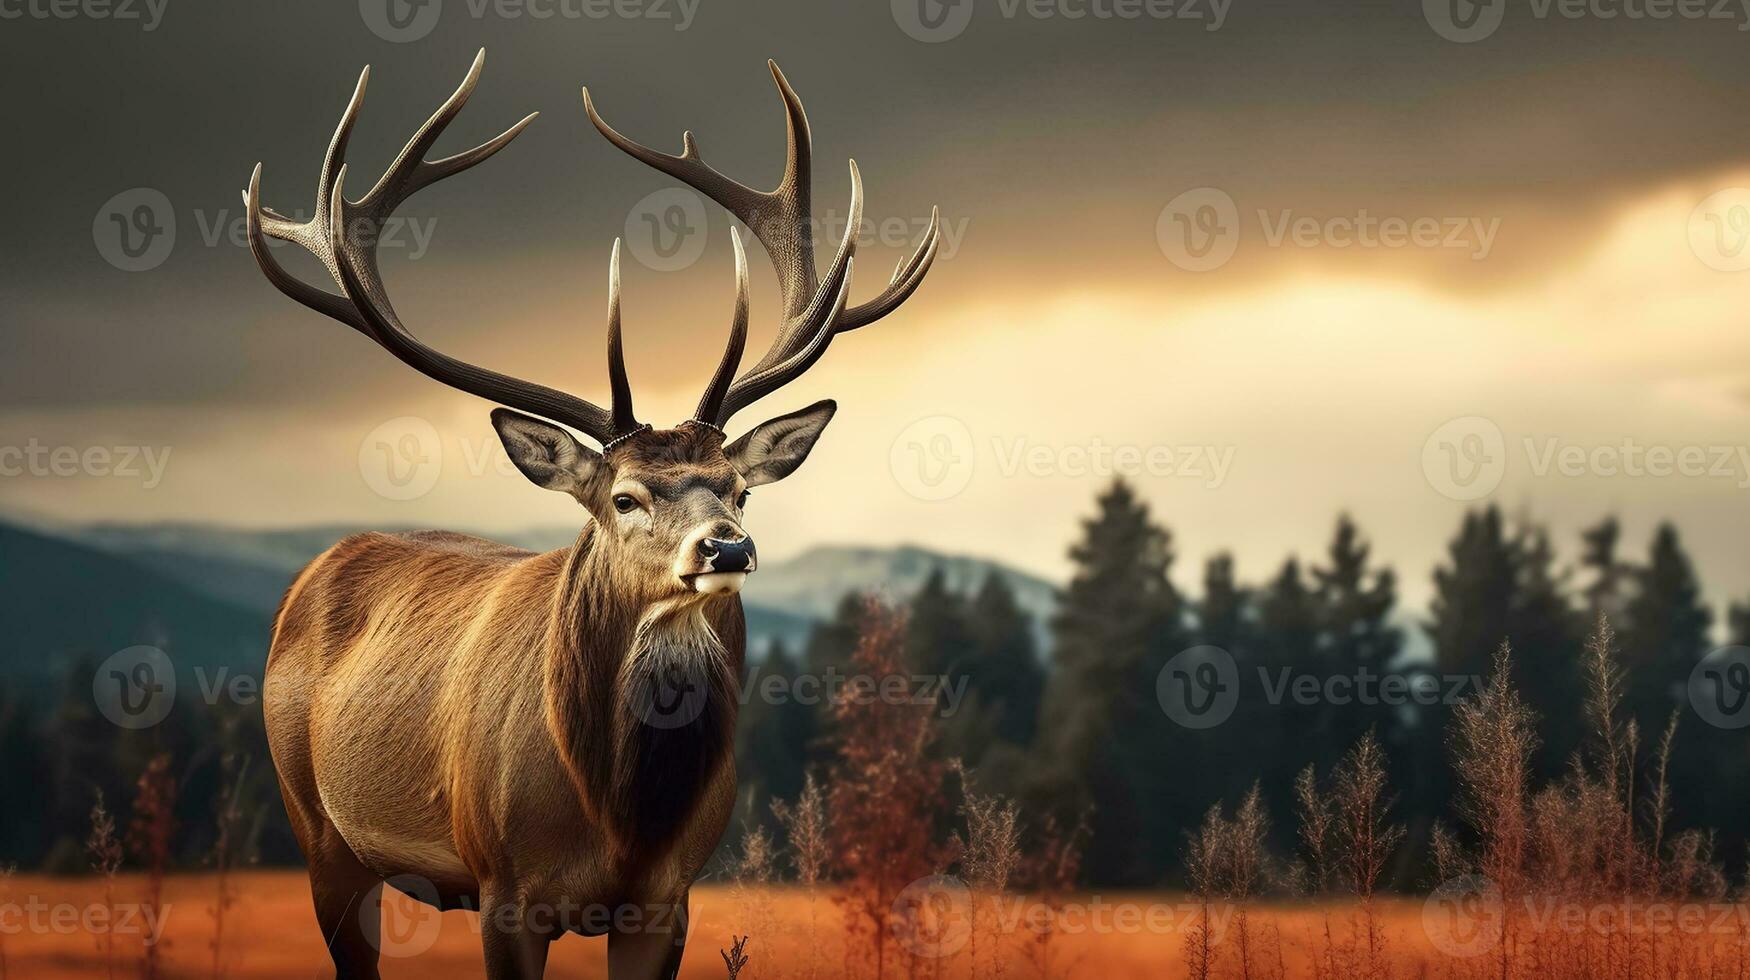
1078 731
1087 738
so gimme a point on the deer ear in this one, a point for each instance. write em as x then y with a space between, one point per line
774 449
549 456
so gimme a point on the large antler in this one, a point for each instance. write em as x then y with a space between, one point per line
343 235
814 307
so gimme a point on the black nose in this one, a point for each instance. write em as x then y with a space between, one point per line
728 556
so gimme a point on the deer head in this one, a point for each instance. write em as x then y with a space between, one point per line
668 502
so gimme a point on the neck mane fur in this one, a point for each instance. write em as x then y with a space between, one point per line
641 701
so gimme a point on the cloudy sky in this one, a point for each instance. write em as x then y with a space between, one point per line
1272 260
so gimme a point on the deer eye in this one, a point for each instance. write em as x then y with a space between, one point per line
625 503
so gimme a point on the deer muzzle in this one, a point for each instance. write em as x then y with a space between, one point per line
714 565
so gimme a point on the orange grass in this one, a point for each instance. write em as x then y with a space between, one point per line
272 934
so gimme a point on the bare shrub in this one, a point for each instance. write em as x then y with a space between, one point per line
990 854
806 826
149 837
104 851
885 797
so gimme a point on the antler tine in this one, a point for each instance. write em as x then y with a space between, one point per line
711 404
343 234
411 171
779 218
624 422
798 348
907 277
814 308
758 384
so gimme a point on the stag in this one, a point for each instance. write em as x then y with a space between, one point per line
545 738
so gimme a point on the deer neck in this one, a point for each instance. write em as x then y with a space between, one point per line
640 697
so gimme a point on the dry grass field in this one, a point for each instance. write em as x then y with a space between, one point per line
271 933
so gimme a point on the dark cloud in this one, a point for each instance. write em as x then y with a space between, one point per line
1057 139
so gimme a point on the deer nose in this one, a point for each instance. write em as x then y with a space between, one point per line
725 555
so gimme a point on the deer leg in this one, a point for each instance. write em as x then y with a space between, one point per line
651 948
516 948
348 907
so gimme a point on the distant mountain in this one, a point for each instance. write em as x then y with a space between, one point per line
245 572
62 601
812 583
248 567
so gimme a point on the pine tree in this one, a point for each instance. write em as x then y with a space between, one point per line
776 730
938 639
1116 626
1357 640
1664 632
1473 596
1738 624
1288 623
1224 615
1009 675
1598 556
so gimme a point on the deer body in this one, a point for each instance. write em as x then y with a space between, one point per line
428 724
547 738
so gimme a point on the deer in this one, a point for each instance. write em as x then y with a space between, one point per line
544 738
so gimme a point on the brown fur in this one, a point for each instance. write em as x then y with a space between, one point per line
446 707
